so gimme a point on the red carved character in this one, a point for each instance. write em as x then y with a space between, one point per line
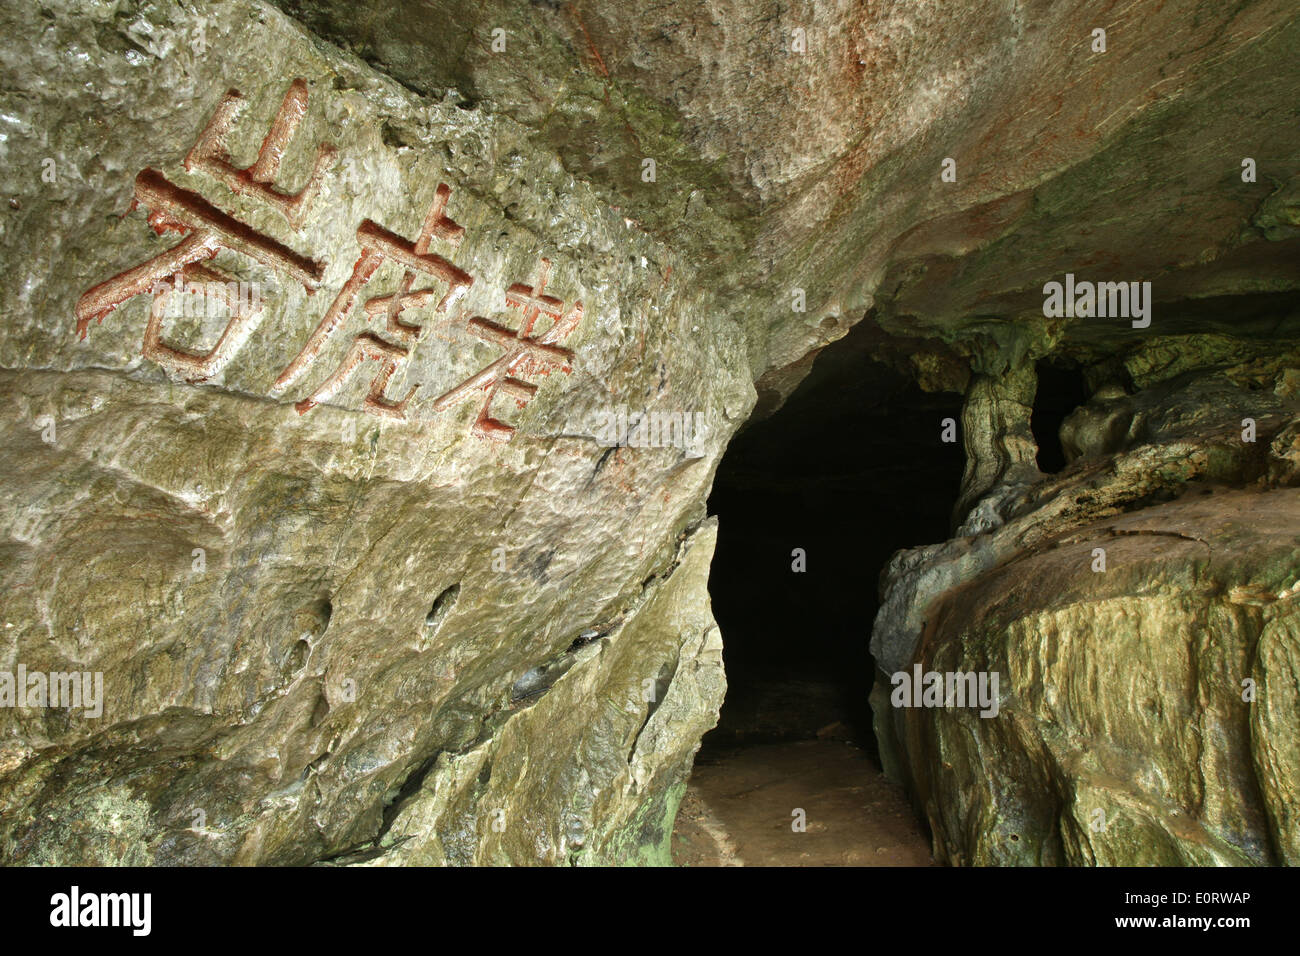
208 230
525 354
378 245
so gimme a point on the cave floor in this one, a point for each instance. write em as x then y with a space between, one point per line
739 804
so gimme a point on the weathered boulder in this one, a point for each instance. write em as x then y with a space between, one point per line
1140 612
1147 711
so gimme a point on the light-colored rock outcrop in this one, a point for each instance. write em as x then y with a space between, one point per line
301 616
1146 713
1146 652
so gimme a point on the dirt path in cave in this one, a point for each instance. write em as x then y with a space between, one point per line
738 805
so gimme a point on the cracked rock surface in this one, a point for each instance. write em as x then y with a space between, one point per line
1147 716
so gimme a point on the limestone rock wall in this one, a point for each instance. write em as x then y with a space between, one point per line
800 145
335 554
312 619
1140 611
1122 736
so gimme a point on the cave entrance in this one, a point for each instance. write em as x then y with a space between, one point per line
1061 389
850 469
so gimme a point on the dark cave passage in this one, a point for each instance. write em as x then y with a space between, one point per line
848 471
1061 389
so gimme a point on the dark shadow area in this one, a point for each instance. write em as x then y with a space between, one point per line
1060 391
849 470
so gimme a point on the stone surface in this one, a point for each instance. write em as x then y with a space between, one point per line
1122 736
821 169
613 798
304 618
1188 428
739 810
995 428
330 633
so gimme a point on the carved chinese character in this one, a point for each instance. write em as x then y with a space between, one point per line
209 153
245 313
525 354
378 245
207 231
